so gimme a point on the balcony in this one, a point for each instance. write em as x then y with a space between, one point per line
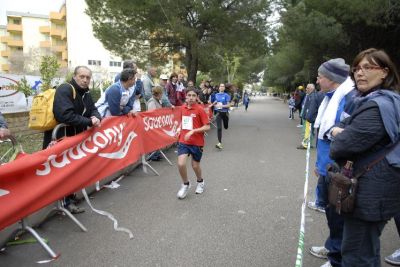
64 55
59 48
14 28
5 53
4 39
45 44
44 29
58 16
16 43
64 35
5 67
56 32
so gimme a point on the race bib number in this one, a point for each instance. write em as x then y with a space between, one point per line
187 123
219 105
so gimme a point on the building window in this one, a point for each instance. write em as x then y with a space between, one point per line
16 21
115 64
94 62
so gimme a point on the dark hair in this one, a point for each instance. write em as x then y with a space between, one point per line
192 89
129 64
173 75
81 67
127 74
380 58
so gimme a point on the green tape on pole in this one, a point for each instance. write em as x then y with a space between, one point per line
25 241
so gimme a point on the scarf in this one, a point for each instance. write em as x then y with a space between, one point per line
328 109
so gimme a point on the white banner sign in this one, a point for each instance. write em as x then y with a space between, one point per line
12 101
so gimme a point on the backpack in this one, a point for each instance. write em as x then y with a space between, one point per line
41 116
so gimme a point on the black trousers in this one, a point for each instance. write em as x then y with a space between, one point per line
221 117
361 244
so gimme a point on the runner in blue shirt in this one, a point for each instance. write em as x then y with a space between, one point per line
222 103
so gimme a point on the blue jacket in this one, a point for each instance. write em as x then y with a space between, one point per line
323 145
3 123
113 98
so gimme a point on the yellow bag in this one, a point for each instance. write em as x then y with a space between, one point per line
41 116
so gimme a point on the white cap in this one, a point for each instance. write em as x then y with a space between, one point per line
163 77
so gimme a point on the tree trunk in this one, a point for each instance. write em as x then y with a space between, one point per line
192 62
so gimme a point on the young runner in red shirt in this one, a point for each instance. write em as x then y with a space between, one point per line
191 141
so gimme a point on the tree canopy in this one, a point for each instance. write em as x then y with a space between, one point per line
199 30
313 31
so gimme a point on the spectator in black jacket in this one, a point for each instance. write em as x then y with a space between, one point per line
79 112
371 133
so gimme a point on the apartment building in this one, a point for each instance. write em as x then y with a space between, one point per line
67 34
20 35
70 39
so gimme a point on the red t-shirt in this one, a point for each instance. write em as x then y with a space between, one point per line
198 119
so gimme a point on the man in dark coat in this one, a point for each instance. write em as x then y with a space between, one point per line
78 113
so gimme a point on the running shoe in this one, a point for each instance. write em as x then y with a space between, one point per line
219 146
200 187
183 191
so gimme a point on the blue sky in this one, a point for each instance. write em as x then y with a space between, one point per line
42 7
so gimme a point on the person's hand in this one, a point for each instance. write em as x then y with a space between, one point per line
336 130
4 133
172 106
188 135
95 121
137 96
132 113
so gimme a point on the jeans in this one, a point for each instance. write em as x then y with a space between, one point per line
361 244
321 192
334 241
397 222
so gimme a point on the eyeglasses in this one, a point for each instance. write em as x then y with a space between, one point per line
365 69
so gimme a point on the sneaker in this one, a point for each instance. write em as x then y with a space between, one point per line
320 252
327 264
299 126
219 146
200 187
313 206
183 191
394 259
74 209
301 147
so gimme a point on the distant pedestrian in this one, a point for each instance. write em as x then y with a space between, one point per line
246 101
292 107
191 141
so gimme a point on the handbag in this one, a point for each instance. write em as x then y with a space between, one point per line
342 190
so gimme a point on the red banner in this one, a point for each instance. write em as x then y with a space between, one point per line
160 128
34 181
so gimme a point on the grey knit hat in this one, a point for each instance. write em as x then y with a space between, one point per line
335 70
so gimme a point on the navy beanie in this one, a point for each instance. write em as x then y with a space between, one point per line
335 70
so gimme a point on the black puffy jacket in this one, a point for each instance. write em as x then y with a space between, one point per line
364 138
75 112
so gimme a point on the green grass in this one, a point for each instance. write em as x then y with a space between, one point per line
29 143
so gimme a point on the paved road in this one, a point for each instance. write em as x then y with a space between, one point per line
249 214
